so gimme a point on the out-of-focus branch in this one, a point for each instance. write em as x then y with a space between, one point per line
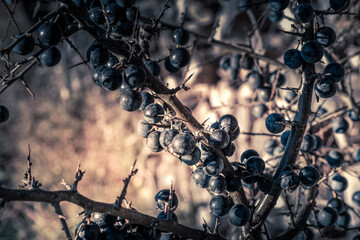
121 198
61 216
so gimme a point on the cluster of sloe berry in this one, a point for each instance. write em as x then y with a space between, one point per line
107 227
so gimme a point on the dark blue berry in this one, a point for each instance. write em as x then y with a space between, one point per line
225 63
179 57
50 57
275 123
97 55
130 100
284 137
343 220
180 36
339 5
113 12
229 150
293 59
167 136
219 139
49 34
154 113
193 158
103 220
112 61
89 231
325 88
217 184
356 198
280 80
247 154
131 13
356 155
153 141
97 16
110 79
143 128
325 36
228 123
183 144
289 180
162 197
278 5
200 178
25 45
233 183
163 215
96 75
353 115
336 71
308 143
312 52
275 16
169 67
135 76
239 215
213 165
255 165
309 176
304 13
220 205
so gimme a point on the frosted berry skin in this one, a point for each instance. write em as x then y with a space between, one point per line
239 215
154 113
275 123
220 205
130 100
312 52
183 144
162 197
325 88
219 139
293 59
179 57
325 36
153 142
135 76
278 5
200 178
213 165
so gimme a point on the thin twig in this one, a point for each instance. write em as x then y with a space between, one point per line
126 181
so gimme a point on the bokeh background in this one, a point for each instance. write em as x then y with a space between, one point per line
73 120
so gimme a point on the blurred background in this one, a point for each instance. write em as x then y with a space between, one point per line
73 120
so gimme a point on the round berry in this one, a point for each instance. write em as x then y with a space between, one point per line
220 205
304 13
217 184
239 215
154 113
340 125
50 57
336 71
334 158
179 57
289 180
183 144
135 76
25 45
325 88
130 100
153 142
213 165
275 123
200 178
49 34
325 36
284 137
247 154
336 204
193 158
110 79
309 176
278 5
162 197
97 55
143 128
312 52
293 59
255 165
153 67
219 139
339 5
180 36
